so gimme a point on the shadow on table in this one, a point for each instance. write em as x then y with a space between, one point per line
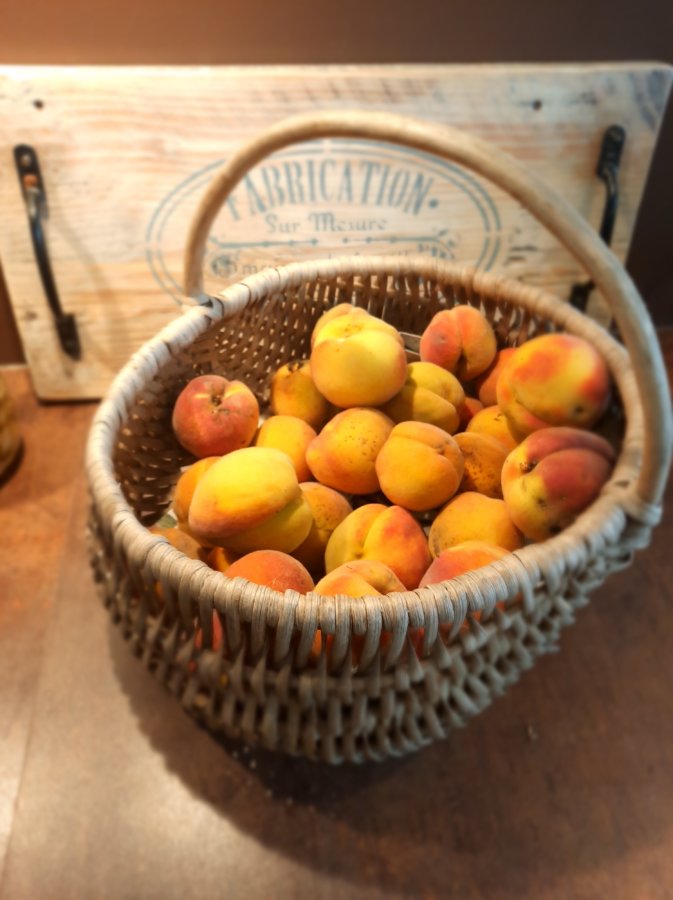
483 814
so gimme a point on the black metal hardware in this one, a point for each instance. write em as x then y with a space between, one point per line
35 198
607 169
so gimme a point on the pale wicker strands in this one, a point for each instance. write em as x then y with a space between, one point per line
261 684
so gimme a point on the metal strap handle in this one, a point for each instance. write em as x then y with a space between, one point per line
550 209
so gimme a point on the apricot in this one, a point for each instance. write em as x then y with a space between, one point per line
213 416
461 558
486 384
388 534
186 485
473 517
430 394
553 380
458 560
275 570
552 476
291 435
329 508
343 455
250 500
293 393
468 410
484 457
182 541
219 558
420 466
358 578
492 421
357 359
460 340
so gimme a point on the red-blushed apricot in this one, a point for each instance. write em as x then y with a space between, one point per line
461 558
460 340
458 560
387 534
213 416
486 383
274 569
552 476
473 517
343 456
553 380
468 410
358 578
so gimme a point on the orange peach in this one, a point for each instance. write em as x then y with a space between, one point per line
553 380
430 394
420 466
357 359
186 485
492 421
213 416
484 457
461 558
388 534
552 476
293 393
487 382
460 340
473 517
343 456
251 500
468 410
273 569
291 435
329 508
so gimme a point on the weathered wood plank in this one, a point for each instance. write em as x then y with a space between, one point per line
127 152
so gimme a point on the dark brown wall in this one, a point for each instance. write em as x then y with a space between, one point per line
213 32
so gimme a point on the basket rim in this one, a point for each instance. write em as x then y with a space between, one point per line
518 573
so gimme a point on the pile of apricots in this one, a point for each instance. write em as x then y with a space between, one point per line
372 474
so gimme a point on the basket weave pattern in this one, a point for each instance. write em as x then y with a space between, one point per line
261 684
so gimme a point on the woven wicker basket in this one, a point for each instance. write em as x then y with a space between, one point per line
261 683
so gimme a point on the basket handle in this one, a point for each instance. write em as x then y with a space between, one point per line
549 208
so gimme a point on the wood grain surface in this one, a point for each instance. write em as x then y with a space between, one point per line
562 789
127 152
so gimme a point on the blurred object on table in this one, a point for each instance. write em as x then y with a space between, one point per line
10 437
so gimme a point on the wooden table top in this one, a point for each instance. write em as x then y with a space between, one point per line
562 789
